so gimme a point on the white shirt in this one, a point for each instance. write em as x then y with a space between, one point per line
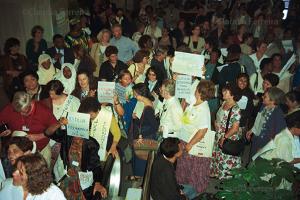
62 110
196 118
256 61
52 193
259 88
9 191
192 99
170 115
296 150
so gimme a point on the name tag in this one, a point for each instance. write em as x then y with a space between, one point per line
86 179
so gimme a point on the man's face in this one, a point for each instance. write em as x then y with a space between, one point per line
117 32
276 62
59 43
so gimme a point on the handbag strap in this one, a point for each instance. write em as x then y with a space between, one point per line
141 123
228 119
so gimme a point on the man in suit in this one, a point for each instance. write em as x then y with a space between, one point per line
59 53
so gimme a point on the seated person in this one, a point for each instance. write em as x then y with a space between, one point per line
166 187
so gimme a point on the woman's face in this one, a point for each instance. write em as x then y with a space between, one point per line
13 153
53 95
196 31
30 82
83 81
46 64
14 50
145 60
165 32
67 72
290 104
181 25
227 95
38 34
266 99
151 76
126 80
20 177
105 37
266 85
242 83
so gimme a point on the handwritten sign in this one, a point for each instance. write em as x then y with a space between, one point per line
183 86
188 63
204 148
78 124
106 92
121 92
287 66
288 45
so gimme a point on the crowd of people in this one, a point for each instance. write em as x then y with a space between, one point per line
249 92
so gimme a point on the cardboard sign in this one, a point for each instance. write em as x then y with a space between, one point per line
78 124
188 63
183 86
121 92
106 91
204 148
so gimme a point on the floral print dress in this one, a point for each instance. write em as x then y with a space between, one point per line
223 163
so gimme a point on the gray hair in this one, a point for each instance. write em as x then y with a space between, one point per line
20 101
169 86
100 34
276 95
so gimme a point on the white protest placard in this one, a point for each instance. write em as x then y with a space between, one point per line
204 148
78 124
138 110
106 91
287 45
287 65
121 92
188 63
183 86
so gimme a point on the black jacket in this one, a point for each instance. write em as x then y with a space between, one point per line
110 74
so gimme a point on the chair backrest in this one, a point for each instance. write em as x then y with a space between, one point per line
147 175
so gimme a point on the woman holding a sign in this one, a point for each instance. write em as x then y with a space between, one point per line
193 167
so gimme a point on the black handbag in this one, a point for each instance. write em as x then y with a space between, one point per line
233 147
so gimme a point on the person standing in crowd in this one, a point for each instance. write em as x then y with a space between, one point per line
31 86
59 53
195 42
269 121
86 85
77 36
46 69
256 79
259 55
67 76
140 66
241 30
218 32
258 27
227 126
166 40
171 113
139 33
191 169
84 60
110 69
126 81
126 47
246 44
35 46
13 64
153 81
158 62
179 32
98 49
166 186
146 43
292 100
126 24
153 30
35 178
146 127
31 117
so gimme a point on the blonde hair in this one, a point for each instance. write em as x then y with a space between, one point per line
20 101
100 34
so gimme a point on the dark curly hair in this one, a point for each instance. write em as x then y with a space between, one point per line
9 43
234 91
206 89
22 143
39 176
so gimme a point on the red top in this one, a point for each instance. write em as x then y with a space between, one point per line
35 123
